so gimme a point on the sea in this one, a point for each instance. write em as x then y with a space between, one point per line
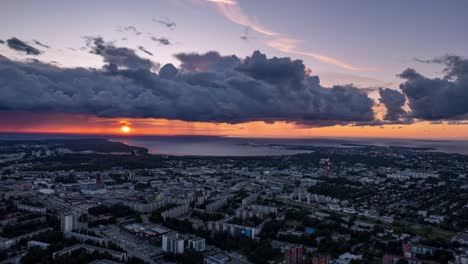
231 146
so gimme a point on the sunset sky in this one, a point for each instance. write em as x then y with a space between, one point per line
244 68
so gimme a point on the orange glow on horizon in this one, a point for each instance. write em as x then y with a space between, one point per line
26 122
125 129
107 126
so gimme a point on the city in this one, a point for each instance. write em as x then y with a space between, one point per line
333 205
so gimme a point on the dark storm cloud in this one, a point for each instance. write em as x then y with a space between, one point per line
394 102
144 50
168 71
41 44
273 70
22 46
438 98
118 57
208 87
377 122
162 41
208 62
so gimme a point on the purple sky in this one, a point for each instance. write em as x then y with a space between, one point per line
381 38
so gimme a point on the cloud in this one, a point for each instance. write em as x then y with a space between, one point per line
208 62
228 2
457 122
25 120
207 88
118 57
21 46
377 122
234 13
394 102
131 29
438 98
40 44
144 50
369 89
274 70
167 23
161 41
168 71
373 84
231 10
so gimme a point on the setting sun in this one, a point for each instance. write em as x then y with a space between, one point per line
125 129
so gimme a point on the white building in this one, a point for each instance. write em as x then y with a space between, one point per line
171 242
31 208
197 243
68 222
145 207
249 199
211 207
34 243
264 209
93 189
409 174
175 212
233 229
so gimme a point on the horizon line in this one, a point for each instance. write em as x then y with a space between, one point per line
221 136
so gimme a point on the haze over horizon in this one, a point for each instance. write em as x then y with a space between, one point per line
235 68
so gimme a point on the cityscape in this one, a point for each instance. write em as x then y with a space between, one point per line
93 199
233 132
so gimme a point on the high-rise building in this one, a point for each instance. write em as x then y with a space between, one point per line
294 254
171 242
197 243
68 222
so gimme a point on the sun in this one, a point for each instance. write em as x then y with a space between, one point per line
125 129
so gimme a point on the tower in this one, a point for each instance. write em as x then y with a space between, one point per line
294 254
68 222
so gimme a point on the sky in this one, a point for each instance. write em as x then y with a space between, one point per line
247 68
